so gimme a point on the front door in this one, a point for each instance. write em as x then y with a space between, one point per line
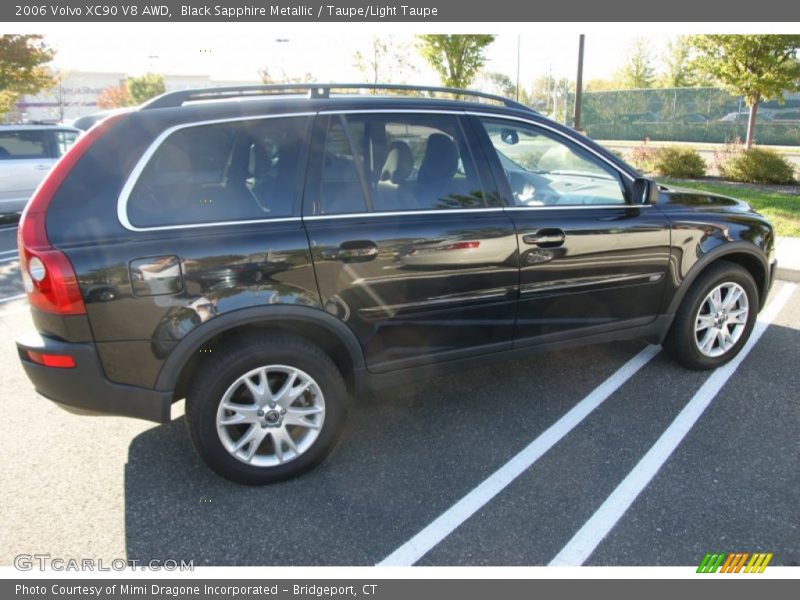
411 246
591 260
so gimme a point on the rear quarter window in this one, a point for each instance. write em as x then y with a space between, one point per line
222 172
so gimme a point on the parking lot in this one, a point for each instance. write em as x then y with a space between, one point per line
422 473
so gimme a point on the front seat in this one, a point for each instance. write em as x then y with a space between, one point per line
436 171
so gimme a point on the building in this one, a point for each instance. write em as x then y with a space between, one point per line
77 92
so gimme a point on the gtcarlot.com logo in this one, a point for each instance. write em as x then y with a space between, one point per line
734 562
42 562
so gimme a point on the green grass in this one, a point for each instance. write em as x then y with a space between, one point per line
783 210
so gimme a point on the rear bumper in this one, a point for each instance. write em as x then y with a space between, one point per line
84 388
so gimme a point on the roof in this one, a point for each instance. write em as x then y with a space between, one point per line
35 127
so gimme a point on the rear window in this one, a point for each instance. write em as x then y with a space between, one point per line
396 162
223 172
21 145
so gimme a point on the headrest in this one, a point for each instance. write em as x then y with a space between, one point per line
399 163
441 159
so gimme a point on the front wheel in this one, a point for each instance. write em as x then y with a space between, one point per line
265 409
715 318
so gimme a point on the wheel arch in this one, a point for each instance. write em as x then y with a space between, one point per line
331 334
745 254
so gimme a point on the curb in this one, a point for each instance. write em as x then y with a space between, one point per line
787 251
785 274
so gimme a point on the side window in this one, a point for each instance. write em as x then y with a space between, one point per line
23 144
64 141
544 170
222 172
341 187
397 162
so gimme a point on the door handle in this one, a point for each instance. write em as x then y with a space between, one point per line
545 238
358 251
42 167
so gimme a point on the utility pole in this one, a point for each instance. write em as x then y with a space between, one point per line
518 43
549 88
576 117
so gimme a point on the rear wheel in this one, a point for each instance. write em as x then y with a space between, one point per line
715 319
265 409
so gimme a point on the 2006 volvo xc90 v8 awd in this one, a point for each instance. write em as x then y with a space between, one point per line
266 252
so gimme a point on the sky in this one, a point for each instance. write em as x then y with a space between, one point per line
236 51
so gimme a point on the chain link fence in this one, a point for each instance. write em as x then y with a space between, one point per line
687 115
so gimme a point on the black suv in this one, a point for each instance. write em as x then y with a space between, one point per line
267 252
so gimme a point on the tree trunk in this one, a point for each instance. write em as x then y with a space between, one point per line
751 124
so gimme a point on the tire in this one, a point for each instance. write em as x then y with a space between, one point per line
715 316
279 390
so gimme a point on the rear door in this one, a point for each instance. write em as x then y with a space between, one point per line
591 260
410 242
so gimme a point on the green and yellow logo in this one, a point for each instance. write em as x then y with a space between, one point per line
734 562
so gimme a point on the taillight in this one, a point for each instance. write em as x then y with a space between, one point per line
47 274
59 361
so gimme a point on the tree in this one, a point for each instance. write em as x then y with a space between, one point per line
145 87
756 67
23 70
384 61
268 78
456 58
61 93
678 68
499 84
638 71
115 96
600 85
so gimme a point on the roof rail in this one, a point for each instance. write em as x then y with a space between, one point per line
312 90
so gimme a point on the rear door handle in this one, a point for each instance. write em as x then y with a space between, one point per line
358 251
42 167
545 238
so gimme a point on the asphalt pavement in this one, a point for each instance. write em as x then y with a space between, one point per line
107 487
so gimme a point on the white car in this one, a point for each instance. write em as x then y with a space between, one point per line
27 153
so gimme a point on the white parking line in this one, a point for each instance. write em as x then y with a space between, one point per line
12 298
14 251
9 259
448 521
584 542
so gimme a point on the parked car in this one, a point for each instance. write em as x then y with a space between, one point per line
86 122
741 117
691 118
27 153
267 256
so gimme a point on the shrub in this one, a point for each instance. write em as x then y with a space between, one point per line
729 149
678 161
642 156
756 165
669 161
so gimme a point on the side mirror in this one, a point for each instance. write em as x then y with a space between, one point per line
509 136
645 191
